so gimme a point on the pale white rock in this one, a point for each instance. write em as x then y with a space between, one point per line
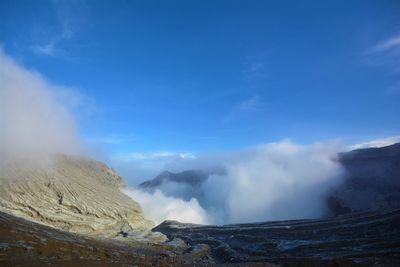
75 194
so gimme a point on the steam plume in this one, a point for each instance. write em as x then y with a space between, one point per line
272 181
33 120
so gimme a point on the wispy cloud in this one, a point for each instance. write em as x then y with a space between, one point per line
247 106
385 53
255 68
157 155
104 140
53 39
254 71
47 49
52 47
387 45
139 166
393 90
251 104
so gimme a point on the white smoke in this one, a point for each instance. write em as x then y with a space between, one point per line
272 181
33 120
278 181
159 207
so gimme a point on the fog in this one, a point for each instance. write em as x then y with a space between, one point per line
159 207
34 119
274 181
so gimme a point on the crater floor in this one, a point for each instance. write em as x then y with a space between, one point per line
357 239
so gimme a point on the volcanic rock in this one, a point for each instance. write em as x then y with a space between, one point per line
74 194
371 181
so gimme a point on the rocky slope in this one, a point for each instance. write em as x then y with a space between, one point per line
74 194
357 239
372 180
25 243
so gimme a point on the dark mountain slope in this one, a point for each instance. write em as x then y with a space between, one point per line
372 180
357 239
190 177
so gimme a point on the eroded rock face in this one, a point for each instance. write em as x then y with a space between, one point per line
74 194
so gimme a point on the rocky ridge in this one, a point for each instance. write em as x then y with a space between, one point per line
371 181
74 194
189 177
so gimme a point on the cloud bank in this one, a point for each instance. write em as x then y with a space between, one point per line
159 207
34 119
277 181
274 181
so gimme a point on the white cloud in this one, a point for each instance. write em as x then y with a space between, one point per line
376 143
158 207
33 118
281 181
272 181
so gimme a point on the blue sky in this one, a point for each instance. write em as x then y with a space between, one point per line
196 76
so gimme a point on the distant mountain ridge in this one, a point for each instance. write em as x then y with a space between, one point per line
189 177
